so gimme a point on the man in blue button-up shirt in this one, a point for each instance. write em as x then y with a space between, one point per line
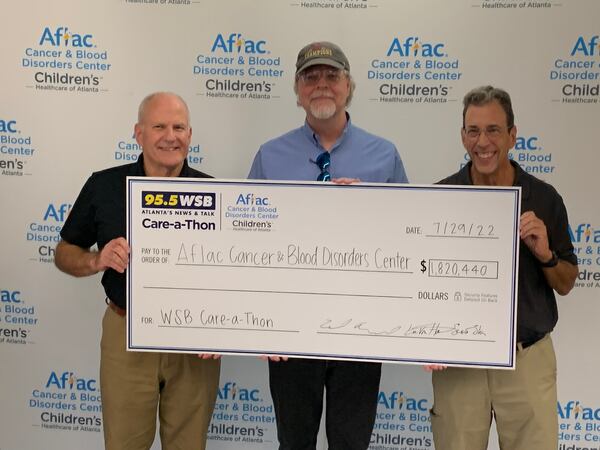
327 147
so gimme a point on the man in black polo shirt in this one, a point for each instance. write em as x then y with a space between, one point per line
522 401
134 385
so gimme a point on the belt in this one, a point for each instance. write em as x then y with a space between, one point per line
525 344
120 311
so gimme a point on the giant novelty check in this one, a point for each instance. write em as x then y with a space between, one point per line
372 272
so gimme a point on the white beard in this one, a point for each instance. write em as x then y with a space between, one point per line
323 109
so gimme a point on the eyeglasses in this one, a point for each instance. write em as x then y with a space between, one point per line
312 76
492 133
324 161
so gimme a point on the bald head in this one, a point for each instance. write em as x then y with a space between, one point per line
151 98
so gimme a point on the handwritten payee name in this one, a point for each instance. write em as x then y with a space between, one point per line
295 256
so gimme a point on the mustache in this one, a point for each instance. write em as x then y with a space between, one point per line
321 94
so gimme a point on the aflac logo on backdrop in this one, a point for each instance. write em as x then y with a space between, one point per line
415 70
15 313
579 423
406 413
69 382
62 37
412 46
580 71
399 401
584 233
47 232
529 153
586 47
66 61
574 409
67 402
7 296
236 43
586 242
57 213
16 317
15 148
8 126
526 143
233 57
231 391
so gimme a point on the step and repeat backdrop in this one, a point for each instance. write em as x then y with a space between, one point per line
74 72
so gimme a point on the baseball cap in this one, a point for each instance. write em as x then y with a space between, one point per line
325 53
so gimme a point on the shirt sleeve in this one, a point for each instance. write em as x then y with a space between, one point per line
399 175
558 233
80 227
256 171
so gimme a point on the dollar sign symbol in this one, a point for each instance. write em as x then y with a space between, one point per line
423 266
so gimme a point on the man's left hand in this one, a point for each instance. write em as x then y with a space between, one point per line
346 180
534 234
209 355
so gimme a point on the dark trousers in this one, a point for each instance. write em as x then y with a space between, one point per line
351 390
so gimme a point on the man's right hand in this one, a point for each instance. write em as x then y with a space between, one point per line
82 262
275 358
114 255
434 367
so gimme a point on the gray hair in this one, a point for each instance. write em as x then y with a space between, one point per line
148 98
486 94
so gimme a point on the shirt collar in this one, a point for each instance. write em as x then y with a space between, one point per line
521 178
139 168
313 137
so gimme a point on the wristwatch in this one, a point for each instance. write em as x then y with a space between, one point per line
552 262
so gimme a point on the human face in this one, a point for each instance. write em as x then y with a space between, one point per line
325 98
164 134
488 150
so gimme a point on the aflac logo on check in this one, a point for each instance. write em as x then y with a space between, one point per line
251 199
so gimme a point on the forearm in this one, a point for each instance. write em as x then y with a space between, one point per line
561 277
74 260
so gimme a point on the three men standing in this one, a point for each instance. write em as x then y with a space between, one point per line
327 147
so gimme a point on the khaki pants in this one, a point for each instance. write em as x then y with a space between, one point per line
522 401
134 385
